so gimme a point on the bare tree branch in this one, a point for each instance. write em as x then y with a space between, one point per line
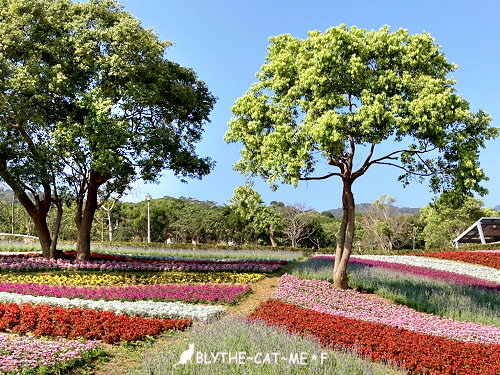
320 178
407 170
391 155
366 163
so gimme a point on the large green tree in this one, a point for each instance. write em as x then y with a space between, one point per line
247 203
443 221
88 104
342 101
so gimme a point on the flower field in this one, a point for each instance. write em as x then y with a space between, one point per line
419 342
104 279
486 258
44 320
433 273
320 296
23 263
205 293
69 309
253 338
23 354
416 352
110 299
467 269
133 308
424 289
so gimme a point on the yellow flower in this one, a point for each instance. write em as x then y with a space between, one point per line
120 279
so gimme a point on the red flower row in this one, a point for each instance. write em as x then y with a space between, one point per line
43 320
124 258
416 352
486 259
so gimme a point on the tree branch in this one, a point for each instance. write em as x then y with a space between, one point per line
361 171
350 159
406 169
320 178
391 155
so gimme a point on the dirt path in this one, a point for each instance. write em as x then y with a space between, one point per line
122 358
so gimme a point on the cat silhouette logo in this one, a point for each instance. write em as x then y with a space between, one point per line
186 356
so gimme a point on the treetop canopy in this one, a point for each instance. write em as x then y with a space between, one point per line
320 97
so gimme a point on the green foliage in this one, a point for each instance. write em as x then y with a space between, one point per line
89 101
443 220
248 204
321 98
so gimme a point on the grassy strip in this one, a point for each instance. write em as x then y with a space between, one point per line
220 254
206 250
459 302
253 338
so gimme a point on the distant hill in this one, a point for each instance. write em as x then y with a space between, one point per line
363 207
497 208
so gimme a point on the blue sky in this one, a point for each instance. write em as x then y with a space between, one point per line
225 42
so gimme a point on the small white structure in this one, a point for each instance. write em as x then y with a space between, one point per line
485 230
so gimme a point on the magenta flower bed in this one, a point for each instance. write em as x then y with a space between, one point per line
447 276
27 264
208 293
322 297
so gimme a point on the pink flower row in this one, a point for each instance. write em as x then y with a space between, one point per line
447 276
22 353
322 297
209 293
24 264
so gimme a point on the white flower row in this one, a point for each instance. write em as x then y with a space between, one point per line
139 308
475 270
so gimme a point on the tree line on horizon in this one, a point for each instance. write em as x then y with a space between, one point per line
380 225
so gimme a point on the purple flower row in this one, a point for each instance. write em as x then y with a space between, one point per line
25 264
321 296
447 276
209 293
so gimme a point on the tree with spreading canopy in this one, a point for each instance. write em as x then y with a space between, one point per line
247 203
335 102
88 104
443 221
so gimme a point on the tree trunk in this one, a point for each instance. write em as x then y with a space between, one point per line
38 213
272 237
37 208
346 236
53 252
42 230
110 226
85 215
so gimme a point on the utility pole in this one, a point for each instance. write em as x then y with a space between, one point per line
148 197
12 216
